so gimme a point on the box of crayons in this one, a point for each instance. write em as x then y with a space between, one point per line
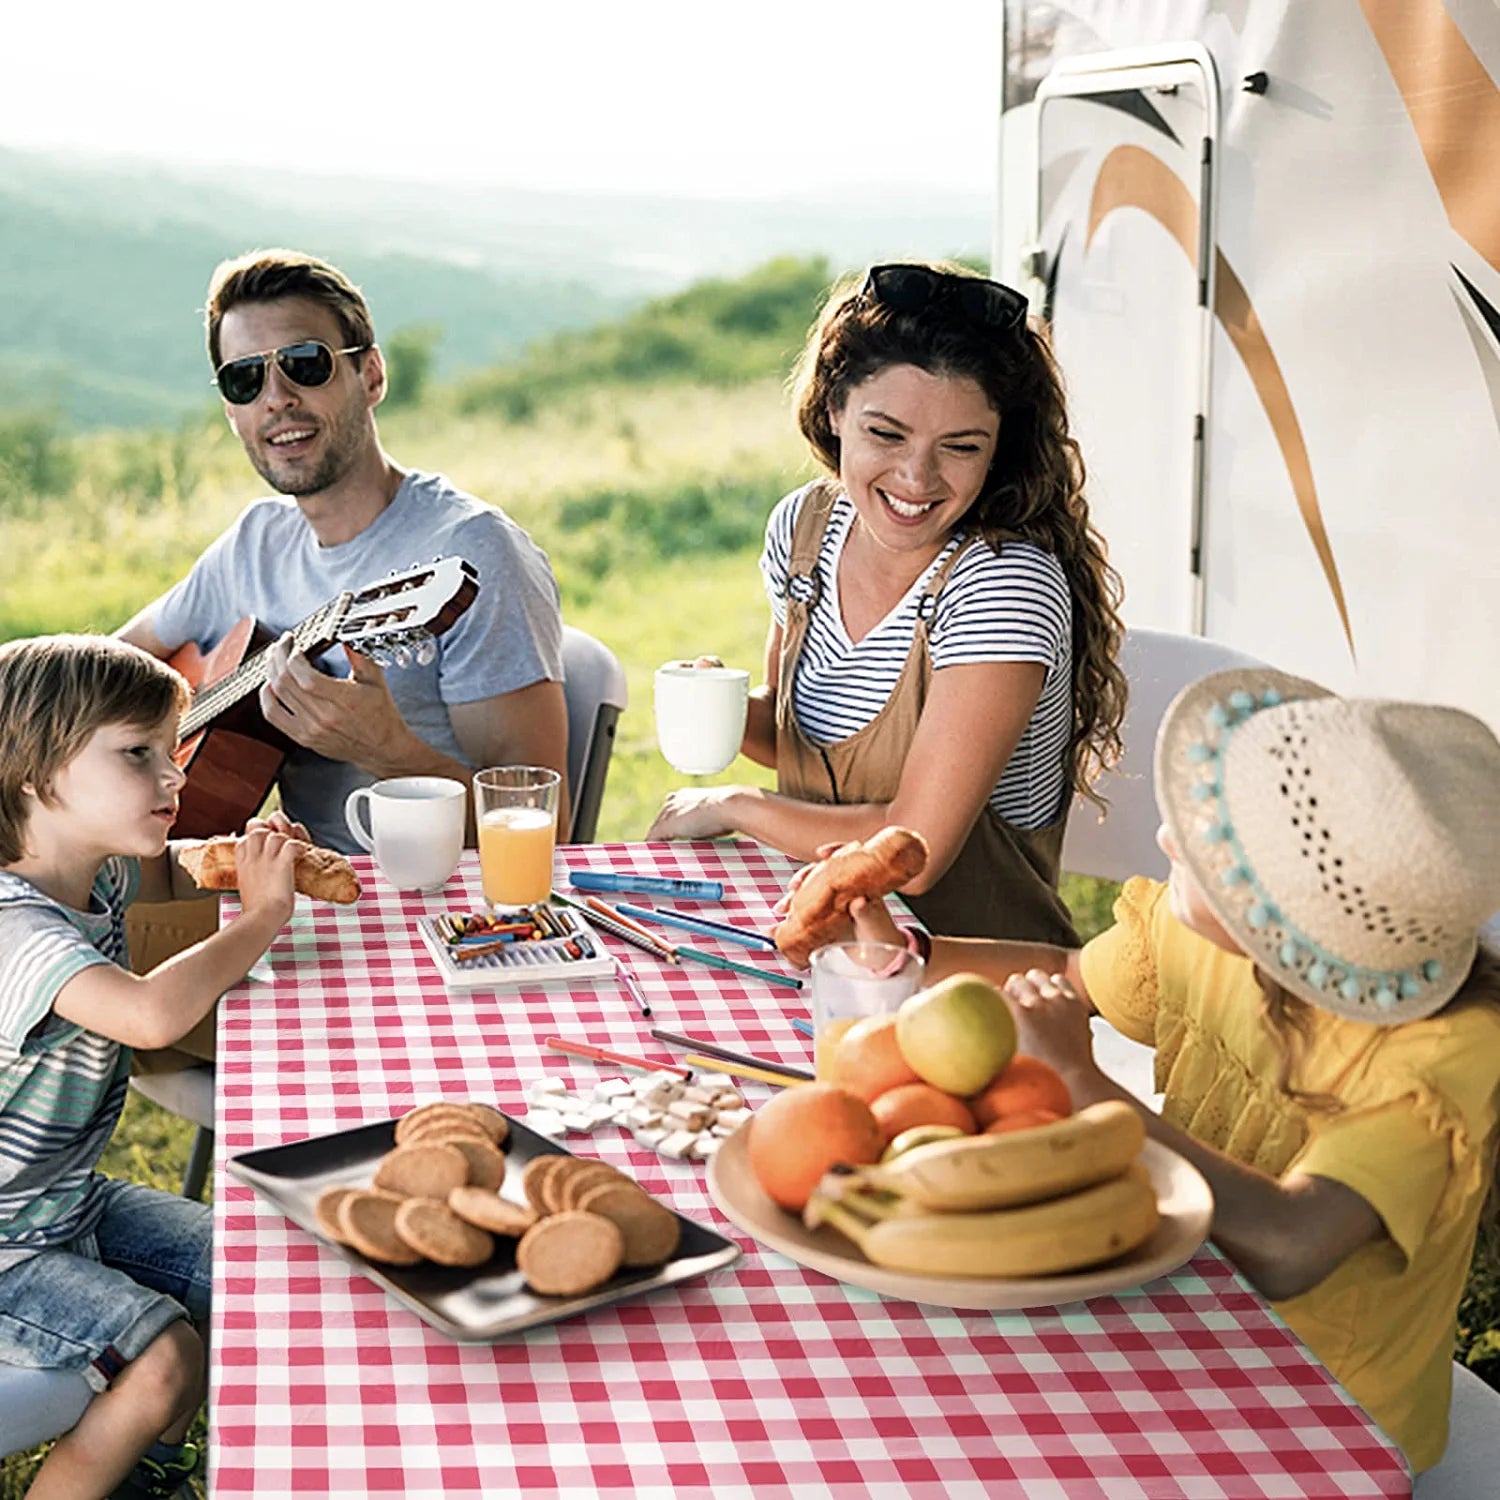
494 949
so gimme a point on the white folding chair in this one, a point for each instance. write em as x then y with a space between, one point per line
1470 1467
1158 665
36 1405
595 690
189 1093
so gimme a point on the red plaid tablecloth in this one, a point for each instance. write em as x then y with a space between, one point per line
763 1380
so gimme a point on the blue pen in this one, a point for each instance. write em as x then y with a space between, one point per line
647 885
742 935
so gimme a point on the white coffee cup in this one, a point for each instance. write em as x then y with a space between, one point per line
416 828
700 715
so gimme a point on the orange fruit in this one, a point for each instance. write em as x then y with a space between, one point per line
867 1060
802 1132
1022 1119
911 1104
1025 1083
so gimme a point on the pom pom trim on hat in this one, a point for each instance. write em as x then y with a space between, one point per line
1284 945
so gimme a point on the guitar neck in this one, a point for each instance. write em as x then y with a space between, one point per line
314 634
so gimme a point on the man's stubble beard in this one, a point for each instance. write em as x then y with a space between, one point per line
343 439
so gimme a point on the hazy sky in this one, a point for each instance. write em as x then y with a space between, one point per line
714 97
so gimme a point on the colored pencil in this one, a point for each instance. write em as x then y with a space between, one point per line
743 1070
634 990
604 909
647 944
743 935
728 1054
805 1027
599 1054
713 961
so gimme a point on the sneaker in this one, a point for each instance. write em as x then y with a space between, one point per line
152 1479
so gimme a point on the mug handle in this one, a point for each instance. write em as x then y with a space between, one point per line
357 830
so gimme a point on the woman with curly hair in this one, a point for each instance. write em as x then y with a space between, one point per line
944 628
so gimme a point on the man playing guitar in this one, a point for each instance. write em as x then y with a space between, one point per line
293 348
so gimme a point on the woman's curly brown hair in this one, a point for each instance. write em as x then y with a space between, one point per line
1033 491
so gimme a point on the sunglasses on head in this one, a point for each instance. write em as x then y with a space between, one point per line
308 363
910 289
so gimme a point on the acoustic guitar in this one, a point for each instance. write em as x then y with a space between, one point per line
229 751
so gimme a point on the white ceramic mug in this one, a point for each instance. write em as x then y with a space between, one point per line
700 715
416 828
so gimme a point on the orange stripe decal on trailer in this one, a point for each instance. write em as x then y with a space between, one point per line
1454 108
1130 177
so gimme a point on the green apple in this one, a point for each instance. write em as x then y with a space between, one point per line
957 1035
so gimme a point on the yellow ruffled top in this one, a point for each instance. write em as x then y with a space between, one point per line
1416 1138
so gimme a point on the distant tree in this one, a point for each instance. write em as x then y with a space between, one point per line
36 456
409 354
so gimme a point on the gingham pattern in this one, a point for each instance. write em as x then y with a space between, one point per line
763 1380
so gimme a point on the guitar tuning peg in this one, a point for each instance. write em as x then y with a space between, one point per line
401 654
427 652
379 655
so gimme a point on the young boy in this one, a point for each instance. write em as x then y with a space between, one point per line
103 1277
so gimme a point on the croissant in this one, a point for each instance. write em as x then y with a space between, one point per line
321 873
819 907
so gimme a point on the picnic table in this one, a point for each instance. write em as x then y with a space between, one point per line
765 1379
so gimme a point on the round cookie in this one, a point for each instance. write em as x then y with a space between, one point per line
435 1231
421 1171
564 1189
535 1175
552 1183
367 1221
496 1126
423 1113
326 1212
569 1253
447 1128
490 1211
650 1229
486 1164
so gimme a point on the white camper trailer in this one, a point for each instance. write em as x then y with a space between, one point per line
1267 235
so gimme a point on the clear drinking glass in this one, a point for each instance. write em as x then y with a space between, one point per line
854 980
515 811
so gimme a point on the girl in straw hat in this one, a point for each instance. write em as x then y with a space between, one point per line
1326 1025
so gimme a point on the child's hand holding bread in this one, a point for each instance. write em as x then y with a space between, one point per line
320 873
818 907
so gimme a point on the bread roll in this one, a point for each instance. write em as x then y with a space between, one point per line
321 873
819 907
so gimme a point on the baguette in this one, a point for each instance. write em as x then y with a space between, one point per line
321 873
819 908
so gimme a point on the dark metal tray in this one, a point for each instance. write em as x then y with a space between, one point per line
473 1305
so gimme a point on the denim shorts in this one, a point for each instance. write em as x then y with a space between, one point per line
94 1304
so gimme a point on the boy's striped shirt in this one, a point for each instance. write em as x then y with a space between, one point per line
61 1087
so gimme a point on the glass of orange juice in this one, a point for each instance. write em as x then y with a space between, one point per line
515 810
851 981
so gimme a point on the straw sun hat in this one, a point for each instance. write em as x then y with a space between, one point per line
1350 847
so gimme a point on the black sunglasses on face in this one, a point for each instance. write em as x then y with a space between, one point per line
909 289
308 363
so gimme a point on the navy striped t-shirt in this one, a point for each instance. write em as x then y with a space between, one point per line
1011 605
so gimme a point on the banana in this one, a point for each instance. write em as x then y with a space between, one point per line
1042 1239
1003 1171
920 1135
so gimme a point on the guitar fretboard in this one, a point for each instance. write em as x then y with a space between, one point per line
316 633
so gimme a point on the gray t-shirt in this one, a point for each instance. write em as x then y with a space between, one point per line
269 564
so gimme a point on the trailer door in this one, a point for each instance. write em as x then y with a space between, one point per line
1123 269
